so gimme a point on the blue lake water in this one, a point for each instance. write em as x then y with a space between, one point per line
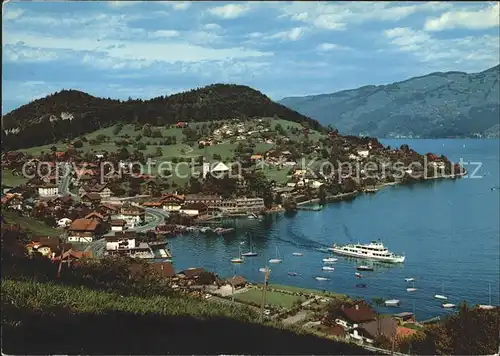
448 230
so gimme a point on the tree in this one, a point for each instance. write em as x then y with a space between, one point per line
53 148
141 146
117 129
146 130
322 195
77 144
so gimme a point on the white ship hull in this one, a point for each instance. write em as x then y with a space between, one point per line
393 259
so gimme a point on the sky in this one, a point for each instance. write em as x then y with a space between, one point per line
122 49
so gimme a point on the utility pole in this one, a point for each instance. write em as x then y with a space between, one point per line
267 271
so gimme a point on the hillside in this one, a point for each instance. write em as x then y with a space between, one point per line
71 113
436 105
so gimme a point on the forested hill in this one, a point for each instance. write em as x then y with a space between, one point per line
436 105
71 113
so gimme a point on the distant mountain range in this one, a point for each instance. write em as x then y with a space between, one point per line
451 104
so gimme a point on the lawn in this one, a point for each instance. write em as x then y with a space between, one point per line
11 180
254 295
30 225
305 290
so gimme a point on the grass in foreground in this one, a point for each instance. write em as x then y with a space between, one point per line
306 290
69 320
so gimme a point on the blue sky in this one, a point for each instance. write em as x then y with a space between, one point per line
141 50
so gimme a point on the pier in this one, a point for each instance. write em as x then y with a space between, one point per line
310 208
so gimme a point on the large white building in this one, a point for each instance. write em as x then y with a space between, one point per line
48 190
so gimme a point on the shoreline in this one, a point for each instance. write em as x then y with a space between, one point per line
341 196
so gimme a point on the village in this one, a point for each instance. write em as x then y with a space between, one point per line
98 210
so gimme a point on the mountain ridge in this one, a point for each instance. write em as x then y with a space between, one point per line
68 114
413 99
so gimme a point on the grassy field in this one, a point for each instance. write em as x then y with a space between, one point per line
305 290
30 225
11 180
254 295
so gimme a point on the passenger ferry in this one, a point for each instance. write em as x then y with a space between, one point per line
373 251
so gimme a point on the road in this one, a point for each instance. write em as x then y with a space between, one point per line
158 218
65 181
98 246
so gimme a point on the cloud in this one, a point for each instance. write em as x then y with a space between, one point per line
211 26
479 51
178 5
289 35
330 47
21 53
12 14
475 19
164 34
229 11
328 16
123 3
293 35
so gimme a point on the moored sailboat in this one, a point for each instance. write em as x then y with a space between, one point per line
238 259
441 296
250 253
277 259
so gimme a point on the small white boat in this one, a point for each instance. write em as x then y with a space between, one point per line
487 306
391 303
329 269
409 279
321 278
330 260
412 288
292 273
297 254
358 275
448 305
364 268
238 259
441 296
263 270
277 259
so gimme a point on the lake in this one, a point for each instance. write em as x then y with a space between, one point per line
448 230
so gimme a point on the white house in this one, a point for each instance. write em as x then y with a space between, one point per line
64 222
363 153
120 243
48 190
117 225
218 170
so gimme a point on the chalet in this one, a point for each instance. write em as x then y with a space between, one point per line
164 269
48 190
101 189
62 201
96 216
181 124
351 317
172 202
194 209
256 157
84 230
363 153
133 215
242 205
237 282
90 199
109 209
369 331
117 225
153 204
209 200
13 201
191 273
